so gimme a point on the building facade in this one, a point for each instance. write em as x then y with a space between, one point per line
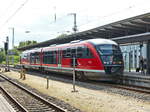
132 54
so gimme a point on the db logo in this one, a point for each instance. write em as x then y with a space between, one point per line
90 62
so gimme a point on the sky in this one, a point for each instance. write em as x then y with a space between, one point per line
35 20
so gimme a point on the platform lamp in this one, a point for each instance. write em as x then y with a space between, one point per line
27 32
13 39
75 23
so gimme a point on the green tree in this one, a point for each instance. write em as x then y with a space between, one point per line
15 55
2 55
62 35
26 43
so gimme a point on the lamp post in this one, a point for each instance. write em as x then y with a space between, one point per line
27 32
75 23
13 39
74 57
13 36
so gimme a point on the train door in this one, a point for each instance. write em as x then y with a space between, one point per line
73 55
59 58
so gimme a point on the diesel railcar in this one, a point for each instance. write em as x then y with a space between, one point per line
98 59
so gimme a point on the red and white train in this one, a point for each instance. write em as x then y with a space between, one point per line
99 59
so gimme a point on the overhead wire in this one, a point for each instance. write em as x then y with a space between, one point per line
16 11
58 19
111 14
91 21
6 10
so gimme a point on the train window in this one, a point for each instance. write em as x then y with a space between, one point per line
87 53
68 54
28 57
79 52
54 57
37 58
79 49
108 49
68 50
64 53
32 58
84 52
73 50
50 57
79 55
45 58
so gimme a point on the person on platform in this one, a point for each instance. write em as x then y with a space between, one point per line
141 64
145 67
22 73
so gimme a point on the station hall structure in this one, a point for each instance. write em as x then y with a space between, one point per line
133 35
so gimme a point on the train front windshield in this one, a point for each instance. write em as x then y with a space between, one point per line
110 54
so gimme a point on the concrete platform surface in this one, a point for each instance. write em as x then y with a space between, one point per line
5 106
137 74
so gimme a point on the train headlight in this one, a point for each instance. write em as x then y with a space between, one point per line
114 62
120 62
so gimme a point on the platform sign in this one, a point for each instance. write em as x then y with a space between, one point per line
11 53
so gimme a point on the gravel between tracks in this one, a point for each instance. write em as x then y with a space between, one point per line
88 100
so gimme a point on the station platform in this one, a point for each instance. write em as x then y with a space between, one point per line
137 74
5 106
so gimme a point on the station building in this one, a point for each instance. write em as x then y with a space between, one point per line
133 35
132 54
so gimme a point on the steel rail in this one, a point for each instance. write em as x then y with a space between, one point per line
140 89
35 95
133 88
19 106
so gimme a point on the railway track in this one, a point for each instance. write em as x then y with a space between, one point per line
139 89
13 102
135 88
25 100
126 86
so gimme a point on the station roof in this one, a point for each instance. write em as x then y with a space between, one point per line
120 31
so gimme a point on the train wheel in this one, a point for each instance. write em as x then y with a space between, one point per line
80 76
41 69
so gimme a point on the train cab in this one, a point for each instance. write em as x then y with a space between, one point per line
106 61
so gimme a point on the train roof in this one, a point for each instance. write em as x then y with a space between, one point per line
101 41
93 41
32 50
75 42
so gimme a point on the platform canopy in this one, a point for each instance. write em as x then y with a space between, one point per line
123 31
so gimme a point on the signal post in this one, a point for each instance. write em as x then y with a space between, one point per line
6 53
